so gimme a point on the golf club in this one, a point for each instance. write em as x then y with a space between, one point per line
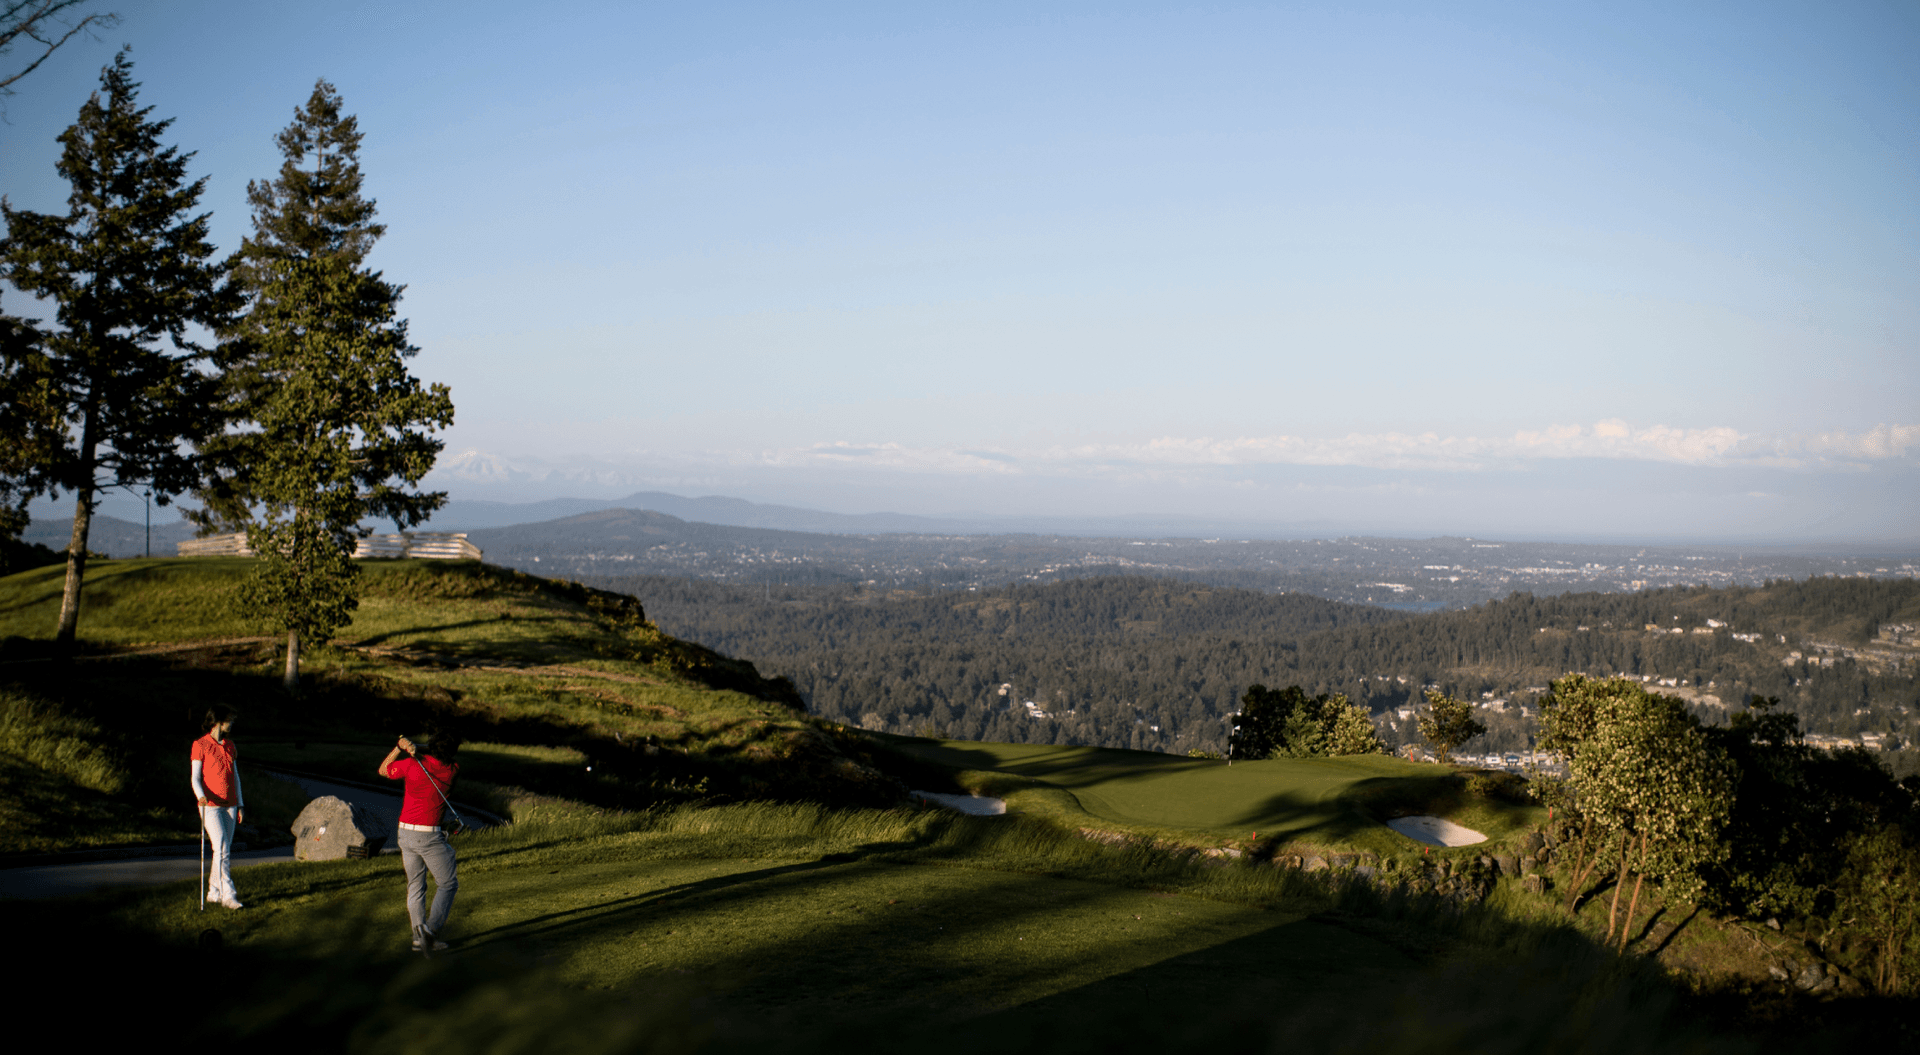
459 822
202 811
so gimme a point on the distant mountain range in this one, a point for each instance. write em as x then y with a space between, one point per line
112 536
471 515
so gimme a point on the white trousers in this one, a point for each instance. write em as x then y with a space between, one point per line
219 821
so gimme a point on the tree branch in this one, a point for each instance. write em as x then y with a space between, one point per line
29 26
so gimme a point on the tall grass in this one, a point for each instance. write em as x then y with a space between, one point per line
40 735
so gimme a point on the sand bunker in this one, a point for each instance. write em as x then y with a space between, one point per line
1435 831
978 805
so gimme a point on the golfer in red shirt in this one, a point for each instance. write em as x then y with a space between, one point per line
215 776
428 772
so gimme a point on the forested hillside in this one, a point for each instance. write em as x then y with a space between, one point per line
1150 663
1157 663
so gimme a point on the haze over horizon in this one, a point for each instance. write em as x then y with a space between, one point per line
1572 272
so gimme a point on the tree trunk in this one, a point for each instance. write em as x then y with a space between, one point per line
1619 880
292 679
1585 860
77 544
1633 905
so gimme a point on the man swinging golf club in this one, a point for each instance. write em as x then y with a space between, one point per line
428 772
216 787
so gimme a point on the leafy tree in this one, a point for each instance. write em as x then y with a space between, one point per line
1448 723
1656 792
330 428
128 267
1880 893
43 23
1304 735
1260 727
1349 728
1283 723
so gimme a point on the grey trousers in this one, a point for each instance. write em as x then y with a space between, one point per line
423 853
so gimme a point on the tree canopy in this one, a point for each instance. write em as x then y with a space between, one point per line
1448 723
1286 722
130 272
325 425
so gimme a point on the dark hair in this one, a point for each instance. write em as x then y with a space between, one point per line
442 745
216 714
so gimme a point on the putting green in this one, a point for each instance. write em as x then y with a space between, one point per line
1323 800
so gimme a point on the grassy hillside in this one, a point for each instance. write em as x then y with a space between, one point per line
502 657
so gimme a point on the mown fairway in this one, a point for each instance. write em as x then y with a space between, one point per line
814 915
1314 800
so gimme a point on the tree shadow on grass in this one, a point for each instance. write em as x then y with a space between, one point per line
607 912
459 648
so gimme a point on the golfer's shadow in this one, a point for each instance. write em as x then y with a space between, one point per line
606 910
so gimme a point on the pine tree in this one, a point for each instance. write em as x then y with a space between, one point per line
329 427
30 425
129 269
1448 723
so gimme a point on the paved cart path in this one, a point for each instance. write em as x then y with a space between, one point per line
171 864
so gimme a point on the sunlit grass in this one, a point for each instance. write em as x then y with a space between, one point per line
784 927
1337 802
786 905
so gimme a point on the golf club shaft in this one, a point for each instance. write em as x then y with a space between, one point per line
443 795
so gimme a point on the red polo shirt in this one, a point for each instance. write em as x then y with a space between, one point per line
419 803
217 759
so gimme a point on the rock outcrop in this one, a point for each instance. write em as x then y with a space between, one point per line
333 829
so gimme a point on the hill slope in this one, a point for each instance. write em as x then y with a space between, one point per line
499 656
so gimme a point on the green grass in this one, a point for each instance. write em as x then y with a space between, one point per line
751 926
272 806
132 601
794 907
502 657
778 906
1334 802
764 927
456 607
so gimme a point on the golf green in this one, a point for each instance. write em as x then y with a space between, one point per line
1319 799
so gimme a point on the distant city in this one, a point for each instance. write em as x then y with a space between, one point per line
742 542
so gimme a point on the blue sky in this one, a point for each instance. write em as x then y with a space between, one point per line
1510 269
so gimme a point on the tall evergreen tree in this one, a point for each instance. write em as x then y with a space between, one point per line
30 425
328 427
129 270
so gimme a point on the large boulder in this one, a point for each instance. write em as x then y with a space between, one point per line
333 829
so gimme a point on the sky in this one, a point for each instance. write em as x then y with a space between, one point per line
1627 271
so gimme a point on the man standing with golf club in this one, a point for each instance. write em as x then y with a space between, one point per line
428 772
216 786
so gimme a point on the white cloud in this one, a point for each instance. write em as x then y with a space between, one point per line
1174 458
1610 439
